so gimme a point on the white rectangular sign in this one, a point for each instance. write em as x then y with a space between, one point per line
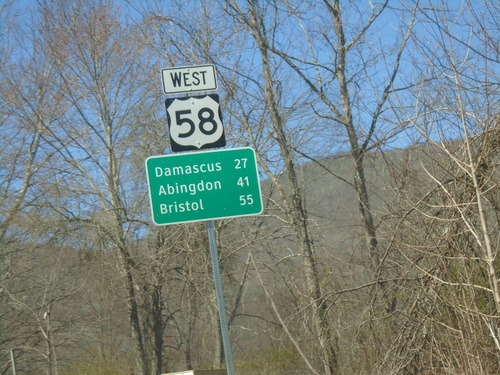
188 79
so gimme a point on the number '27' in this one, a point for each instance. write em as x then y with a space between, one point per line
240 163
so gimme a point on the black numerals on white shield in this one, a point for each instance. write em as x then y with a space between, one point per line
206 123
195 123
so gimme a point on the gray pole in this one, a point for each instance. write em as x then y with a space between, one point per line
13 362
228 355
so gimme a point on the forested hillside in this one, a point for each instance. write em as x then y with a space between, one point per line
376 127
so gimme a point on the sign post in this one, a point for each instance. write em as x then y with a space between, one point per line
226 342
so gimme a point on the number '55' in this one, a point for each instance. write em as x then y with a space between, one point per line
246 200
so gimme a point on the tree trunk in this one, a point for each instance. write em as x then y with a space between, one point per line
297 213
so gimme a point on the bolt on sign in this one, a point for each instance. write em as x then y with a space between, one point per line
203 186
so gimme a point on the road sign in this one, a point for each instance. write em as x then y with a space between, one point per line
203 185
189 79
195 123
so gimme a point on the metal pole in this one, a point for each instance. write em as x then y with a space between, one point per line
13 362
228 355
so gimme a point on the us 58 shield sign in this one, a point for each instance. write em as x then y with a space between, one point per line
195 123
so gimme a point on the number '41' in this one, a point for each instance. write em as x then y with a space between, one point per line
243 181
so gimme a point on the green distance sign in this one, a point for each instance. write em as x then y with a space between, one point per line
203 185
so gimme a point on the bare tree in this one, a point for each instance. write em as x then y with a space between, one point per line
29 103
449 232
310 79
330 82
99 64
253 19
338 84
42 287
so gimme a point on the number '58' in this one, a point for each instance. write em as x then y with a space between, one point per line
205 116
